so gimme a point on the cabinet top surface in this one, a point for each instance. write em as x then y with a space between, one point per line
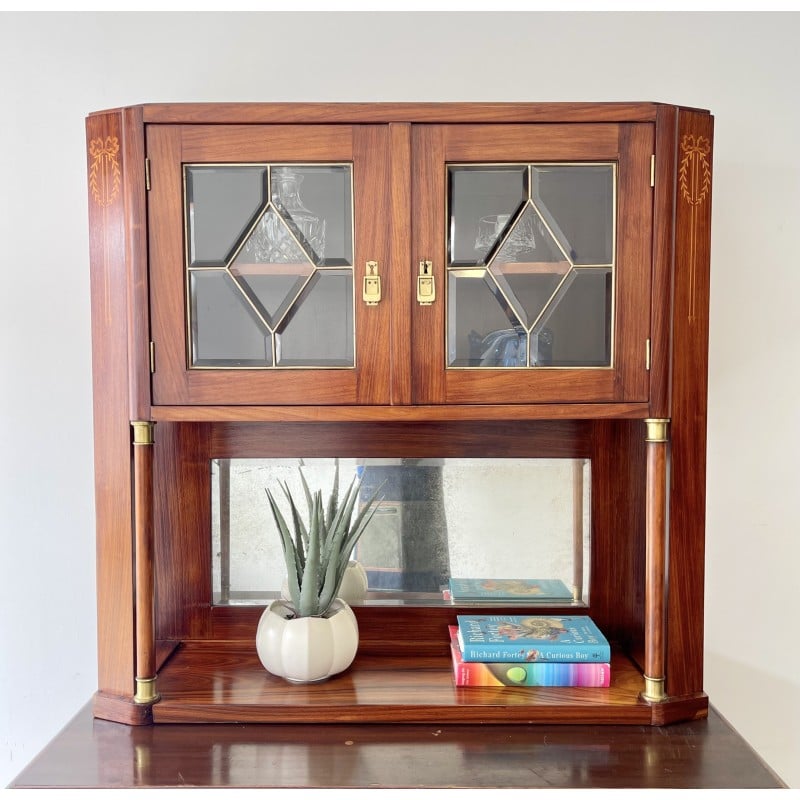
394 112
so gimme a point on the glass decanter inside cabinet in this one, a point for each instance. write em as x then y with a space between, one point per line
496 312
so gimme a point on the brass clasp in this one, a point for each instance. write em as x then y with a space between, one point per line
372 285
426 287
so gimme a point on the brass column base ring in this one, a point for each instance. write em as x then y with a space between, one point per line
654 690
146 693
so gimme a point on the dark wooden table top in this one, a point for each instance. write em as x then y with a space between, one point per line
93 753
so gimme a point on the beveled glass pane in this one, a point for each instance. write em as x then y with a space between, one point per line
226 332
578 203
317 204
318 331
482 204
482 329
529 266
431 525
578 321
222 203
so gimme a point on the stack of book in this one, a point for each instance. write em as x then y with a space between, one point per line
529 650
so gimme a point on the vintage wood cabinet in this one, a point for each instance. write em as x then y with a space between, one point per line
486 280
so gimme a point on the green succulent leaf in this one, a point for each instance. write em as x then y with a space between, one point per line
333 500
300 531
294 567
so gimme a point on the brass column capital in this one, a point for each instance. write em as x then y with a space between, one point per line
657 430
143 432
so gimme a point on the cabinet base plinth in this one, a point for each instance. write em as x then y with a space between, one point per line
116 708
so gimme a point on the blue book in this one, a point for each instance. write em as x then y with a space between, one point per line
521 638
509 590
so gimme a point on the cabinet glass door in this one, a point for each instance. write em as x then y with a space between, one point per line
543 259
267 266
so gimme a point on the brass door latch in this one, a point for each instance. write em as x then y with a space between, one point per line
426 287
372 285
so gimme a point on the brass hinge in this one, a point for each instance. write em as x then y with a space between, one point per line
653 170
152 357
647 355
147 174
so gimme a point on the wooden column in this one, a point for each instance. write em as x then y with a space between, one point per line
655 559
144 584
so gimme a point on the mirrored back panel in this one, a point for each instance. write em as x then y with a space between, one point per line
514 530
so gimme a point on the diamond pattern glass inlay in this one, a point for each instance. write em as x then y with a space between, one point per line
261 275
545 233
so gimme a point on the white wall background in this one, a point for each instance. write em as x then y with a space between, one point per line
57 67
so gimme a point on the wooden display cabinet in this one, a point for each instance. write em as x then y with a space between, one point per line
490 280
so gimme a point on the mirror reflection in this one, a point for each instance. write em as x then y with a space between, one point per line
487 521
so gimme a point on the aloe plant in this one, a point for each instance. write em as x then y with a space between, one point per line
317 552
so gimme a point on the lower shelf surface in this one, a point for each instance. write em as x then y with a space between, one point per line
225 682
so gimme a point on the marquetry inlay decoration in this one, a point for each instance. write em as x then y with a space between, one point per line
105 177
694 177
695 171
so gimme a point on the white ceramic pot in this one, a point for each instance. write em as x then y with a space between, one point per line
354 584
306 649
353 589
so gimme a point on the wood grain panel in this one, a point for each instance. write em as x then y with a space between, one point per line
167 282
428 322
183 531
661 303
617 586
373 227
634 261
112 435
689 404
230 143
487 143
523 385
253 113
491 439
420 413
402 286
134 196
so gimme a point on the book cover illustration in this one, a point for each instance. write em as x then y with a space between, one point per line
518 638
475 673
509 589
